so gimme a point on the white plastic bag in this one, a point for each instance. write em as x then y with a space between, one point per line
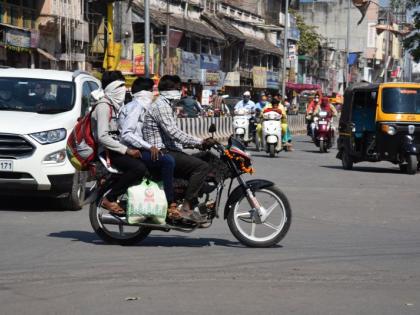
146 200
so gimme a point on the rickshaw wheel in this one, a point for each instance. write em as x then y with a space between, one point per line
346 161
412 164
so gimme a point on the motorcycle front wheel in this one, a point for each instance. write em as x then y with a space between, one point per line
113 230
243 225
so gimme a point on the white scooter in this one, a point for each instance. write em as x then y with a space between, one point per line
241 125
271 133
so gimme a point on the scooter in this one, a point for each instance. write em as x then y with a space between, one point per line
241 126
271 133
323 132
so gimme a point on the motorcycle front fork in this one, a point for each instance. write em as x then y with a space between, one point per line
260 213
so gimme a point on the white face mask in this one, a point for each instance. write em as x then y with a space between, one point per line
144 96
115 91
174 95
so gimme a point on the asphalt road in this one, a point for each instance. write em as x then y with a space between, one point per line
353 248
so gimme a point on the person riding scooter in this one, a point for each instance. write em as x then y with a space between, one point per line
310 111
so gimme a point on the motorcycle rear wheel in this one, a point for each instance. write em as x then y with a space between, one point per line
322 146
255 238
120 237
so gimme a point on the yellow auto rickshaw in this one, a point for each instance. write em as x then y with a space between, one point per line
381 122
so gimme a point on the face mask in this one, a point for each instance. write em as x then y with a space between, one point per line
115 91
317 100
144 96
173 95
246 100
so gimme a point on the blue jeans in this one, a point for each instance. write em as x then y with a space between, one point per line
166 165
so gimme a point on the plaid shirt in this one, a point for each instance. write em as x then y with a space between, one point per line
160 129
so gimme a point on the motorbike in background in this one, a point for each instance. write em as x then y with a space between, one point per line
323 131
241 126
271 133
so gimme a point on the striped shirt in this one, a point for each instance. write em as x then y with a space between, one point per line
160 129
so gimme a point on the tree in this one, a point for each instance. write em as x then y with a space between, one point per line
309 40
412 41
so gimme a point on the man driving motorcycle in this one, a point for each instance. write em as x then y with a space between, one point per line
310 111
160 130
324 105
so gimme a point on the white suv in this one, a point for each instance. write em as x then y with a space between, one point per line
38 110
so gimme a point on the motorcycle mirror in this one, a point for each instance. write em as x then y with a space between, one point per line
212 128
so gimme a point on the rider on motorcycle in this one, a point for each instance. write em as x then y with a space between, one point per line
249 105
160 130
323 106
310 111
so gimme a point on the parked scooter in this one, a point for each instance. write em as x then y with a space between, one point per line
323 132
271 133
241 126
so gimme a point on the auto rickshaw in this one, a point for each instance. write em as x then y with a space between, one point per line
381 122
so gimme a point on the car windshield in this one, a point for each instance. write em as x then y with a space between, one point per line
36 95
401 100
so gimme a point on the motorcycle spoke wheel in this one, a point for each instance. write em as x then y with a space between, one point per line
276 223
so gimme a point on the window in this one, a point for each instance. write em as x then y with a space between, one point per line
401 100
36 95
86 98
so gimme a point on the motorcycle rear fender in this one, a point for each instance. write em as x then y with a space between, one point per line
238 192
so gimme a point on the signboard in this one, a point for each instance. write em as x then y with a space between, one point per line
138 52
259 77
190 66
210 62
211 78
205 97
175 37
18 38
232 79
272 80
125 66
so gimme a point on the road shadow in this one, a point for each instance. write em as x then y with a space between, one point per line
152 240
366 169
27 204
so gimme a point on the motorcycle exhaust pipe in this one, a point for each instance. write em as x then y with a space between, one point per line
107 218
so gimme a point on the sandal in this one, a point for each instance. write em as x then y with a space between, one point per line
113 207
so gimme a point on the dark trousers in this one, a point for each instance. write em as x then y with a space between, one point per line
133 172
192 169
165 165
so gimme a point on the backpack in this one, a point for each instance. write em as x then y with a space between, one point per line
82 148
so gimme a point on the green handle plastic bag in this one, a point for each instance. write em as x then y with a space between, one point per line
146 200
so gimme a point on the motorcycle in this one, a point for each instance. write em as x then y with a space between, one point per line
271 133
323 132
257 211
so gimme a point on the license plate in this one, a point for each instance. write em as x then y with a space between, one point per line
322 122
6 166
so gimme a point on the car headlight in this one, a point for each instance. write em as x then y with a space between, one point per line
50 136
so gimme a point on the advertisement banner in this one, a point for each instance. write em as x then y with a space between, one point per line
18 38
190 66
232 79
259 77
175 37
210 62
211 78
273 80
138 52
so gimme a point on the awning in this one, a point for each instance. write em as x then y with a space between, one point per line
262 45
223 26
198 27
46 54
299 87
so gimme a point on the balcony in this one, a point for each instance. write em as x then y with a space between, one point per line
18 16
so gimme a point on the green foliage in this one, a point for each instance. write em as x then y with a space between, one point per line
309 40
412 41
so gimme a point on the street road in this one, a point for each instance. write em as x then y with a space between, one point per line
353 248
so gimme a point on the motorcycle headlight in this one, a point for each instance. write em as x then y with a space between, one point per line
50 136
